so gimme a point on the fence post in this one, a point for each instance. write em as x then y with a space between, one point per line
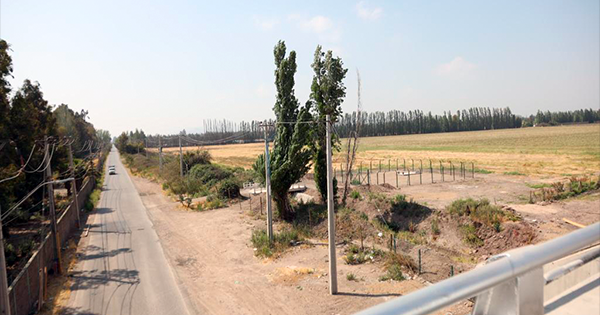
368 177
384 177
389 165
421 173
419 261
473 169
408 177
404 164
396 179
453 173
377 178
431 171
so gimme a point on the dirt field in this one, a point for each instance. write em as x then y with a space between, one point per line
214 259
547 151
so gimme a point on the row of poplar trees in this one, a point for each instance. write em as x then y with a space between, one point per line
300 131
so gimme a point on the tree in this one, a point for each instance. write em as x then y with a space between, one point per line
327 92
290 159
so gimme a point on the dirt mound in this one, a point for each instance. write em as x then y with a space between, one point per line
513 235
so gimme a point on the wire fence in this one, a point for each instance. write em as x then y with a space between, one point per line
27 290
406 172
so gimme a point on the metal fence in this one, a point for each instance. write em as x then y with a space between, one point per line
510 283
26 290
407 172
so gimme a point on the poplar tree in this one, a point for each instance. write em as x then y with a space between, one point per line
290 158
327 93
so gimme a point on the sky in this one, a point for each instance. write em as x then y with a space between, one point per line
165 66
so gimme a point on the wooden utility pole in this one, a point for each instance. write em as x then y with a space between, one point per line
56 238
268 186
4 301
330 214
160 161
74 186
180 157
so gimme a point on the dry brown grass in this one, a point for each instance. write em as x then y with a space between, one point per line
534 151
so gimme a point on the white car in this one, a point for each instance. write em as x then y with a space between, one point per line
111 170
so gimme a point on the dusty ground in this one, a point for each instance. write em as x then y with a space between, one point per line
215 263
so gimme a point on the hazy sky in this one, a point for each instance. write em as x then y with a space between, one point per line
165 66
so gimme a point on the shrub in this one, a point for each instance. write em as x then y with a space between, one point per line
481 211
228 188
356 256
355 195
209 174
435 228
355 182
470 235
192 158
351 277
281 241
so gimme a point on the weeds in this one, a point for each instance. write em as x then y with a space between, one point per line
357 256
351 277
435 228
481 211
515 173
281 241
470 235
355 194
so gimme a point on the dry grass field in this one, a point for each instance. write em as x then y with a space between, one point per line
553 151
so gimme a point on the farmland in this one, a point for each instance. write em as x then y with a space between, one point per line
548 151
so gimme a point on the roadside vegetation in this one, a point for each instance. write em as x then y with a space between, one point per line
562 190
202 178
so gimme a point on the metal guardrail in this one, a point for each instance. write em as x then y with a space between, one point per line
510 283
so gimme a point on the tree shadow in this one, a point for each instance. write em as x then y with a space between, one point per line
85 280
404 215
369 295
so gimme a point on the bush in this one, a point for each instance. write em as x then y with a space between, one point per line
351 277
356 256
435 228
281 241
481 211
470 235
355 195
209 174
229 188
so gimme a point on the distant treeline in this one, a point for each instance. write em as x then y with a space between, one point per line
394 122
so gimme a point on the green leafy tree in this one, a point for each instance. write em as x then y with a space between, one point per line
290 159
327 92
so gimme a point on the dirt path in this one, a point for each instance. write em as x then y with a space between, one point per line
211 254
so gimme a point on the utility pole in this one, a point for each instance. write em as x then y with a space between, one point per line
330 214
180 157
56 238
5 303
268 186
74 186
159 154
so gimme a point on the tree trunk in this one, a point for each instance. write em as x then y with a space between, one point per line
283 206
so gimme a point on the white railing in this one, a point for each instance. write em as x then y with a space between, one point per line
510 283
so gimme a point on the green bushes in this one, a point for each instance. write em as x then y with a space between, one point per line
470 237
395 265
355 194
481 211
281 241
357 256
228 188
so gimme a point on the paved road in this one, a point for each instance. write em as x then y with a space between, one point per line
123 269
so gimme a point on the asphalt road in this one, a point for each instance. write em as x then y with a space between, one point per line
123 269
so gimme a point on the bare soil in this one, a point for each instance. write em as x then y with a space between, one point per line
215 263
216 266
